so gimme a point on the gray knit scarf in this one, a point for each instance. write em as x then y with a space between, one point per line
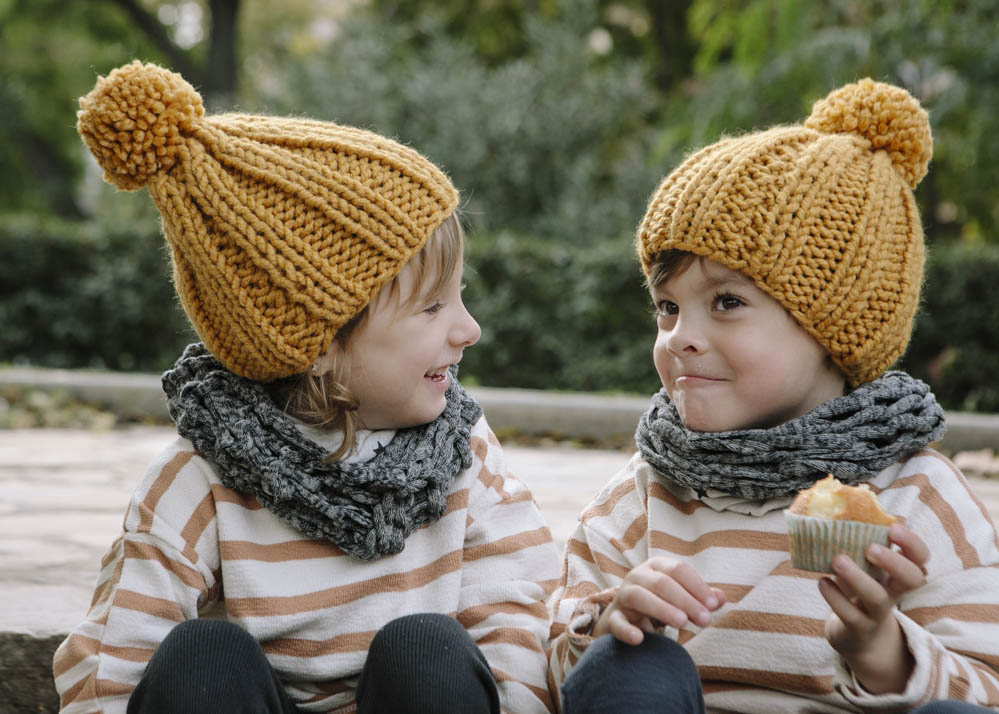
367 509
852 437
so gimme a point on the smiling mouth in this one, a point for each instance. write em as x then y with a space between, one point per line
437 375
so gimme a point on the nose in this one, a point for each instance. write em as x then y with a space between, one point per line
466 331
687 336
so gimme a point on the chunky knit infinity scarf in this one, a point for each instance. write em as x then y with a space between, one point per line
852 437
367 509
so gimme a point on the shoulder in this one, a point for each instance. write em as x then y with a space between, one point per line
486 448
178 462
937 502
489 478
928 477
177 482
624 497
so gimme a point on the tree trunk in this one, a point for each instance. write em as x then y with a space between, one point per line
221 71
675 50
217 79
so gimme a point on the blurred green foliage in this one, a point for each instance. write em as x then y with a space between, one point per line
955 347
552 143
98 294
557 318
91 293
555 118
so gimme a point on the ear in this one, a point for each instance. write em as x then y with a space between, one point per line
328 360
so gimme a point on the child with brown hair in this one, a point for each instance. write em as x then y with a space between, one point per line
334 528
785 268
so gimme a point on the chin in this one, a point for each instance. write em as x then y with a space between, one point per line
423 417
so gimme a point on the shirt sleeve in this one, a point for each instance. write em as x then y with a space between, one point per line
510 568
598 556
157 573
951 624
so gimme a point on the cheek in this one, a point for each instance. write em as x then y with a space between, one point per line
660 357
777 361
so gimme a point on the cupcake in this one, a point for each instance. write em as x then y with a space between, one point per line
829 518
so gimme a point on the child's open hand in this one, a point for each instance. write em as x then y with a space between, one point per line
660 591
861 627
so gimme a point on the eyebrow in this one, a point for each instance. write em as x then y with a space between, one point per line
713 281
726 278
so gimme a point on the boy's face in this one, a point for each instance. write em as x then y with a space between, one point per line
731 357
399 355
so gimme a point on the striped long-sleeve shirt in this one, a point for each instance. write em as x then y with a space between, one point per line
765 649
191 547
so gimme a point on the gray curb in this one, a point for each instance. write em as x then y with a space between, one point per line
525 411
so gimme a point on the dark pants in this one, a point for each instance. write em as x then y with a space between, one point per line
416 664
656 676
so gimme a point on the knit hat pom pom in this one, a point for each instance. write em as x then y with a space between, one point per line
887 116
134 119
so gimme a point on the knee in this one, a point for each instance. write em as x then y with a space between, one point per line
656 652
425 662
949 707
199 654
425 631
656 675
204 638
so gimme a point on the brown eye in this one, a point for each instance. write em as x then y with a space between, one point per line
667 308
728 302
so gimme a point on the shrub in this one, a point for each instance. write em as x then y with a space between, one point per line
553 316
80 294
955 347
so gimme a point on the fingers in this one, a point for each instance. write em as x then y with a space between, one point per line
844 608
660 592
619 627
903 574
911 545
719 598
658 597
680 585
690 581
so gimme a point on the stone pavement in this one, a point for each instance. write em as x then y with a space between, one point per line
63 493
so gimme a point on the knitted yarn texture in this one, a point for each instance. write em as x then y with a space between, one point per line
852 437
281 230
821 216
367 509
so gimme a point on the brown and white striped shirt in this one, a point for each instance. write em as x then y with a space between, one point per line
765 650
192 547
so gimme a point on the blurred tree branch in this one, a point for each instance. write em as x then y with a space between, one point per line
216 76
179 59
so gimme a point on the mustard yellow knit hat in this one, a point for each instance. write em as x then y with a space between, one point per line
821 217
281 230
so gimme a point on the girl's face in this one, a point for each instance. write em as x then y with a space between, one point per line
397 358
731 357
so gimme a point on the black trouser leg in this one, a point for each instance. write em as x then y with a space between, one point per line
209 666
655 676
425 663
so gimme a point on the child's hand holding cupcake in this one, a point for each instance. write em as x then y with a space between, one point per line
844 531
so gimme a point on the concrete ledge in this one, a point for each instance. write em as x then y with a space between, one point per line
526 411
137 396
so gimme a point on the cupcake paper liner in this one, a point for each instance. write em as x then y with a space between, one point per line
814 542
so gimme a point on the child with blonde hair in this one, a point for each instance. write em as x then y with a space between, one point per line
335 528
785 268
